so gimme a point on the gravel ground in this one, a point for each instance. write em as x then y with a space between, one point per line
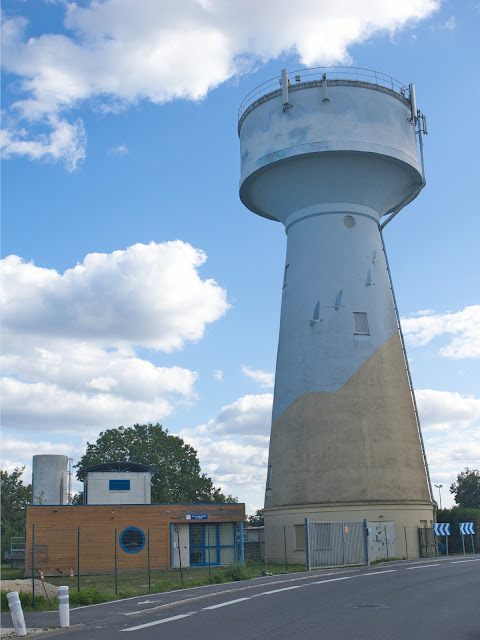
26 586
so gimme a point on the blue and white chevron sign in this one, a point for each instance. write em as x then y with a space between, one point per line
441 528
466 528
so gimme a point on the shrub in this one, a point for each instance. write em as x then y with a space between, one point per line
41 603
88 596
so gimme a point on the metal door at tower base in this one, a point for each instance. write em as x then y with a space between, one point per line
212 544
334 544
427 542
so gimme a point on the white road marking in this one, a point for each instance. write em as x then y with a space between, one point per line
376 573
152 624
423 566
225 604
458 561
333 580
266 593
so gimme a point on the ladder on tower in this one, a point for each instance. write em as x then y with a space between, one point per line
407 367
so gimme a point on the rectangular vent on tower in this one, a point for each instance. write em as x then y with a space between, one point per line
360 323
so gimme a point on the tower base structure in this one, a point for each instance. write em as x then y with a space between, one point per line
285 526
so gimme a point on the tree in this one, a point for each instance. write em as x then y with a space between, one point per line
256 520
467 489
15 497
178 477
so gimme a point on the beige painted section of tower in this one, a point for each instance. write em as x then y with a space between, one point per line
371 422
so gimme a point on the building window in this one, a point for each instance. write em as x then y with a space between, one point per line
360 323
212 544
119 485
300 542
132 540
269 477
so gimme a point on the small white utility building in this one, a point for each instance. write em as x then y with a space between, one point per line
117 483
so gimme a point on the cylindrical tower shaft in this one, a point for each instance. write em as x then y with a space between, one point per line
345 441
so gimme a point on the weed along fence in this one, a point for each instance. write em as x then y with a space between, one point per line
75 541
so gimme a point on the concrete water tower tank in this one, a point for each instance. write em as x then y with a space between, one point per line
51 479
328 152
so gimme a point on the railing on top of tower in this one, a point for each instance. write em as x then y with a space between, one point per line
318 73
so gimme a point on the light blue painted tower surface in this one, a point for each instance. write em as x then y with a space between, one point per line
328 153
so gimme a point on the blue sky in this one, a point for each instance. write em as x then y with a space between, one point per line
136 286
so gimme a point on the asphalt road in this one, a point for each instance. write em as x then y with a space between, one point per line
424 600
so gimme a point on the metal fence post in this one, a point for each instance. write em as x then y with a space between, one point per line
386 541
406 543
463 543
179 554
285 546
260 547
116 568
209 563
33 566
242 547
78 558
473 544
307 543
148 560
365 540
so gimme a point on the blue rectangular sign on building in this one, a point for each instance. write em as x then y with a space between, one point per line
196 516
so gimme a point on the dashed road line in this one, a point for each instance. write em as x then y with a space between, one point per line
225 604
162 621
423 566
459 561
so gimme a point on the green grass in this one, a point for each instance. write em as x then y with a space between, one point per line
11 574
101 588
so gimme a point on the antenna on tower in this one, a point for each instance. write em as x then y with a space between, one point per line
285 82
413 103
325 88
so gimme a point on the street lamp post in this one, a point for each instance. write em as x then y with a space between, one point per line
439 487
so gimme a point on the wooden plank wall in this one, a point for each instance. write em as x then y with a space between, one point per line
56 535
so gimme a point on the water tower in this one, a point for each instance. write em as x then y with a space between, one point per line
328 153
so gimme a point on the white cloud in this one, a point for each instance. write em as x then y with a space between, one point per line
148 295
63 141
263 378
121 150
449 25
446 410
218 375
120 52
451 433
464 325
249 415
69 360
233 447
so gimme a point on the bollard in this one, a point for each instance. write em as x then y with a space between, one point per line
63 606
17 614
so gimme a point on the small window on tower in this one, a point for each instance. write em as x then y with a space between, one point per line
269 477
360 323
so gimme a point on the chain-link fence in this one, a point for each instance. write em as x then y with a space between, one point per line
129 558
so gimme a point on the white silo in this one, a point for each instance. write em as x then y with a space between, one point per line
328 153
51 479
